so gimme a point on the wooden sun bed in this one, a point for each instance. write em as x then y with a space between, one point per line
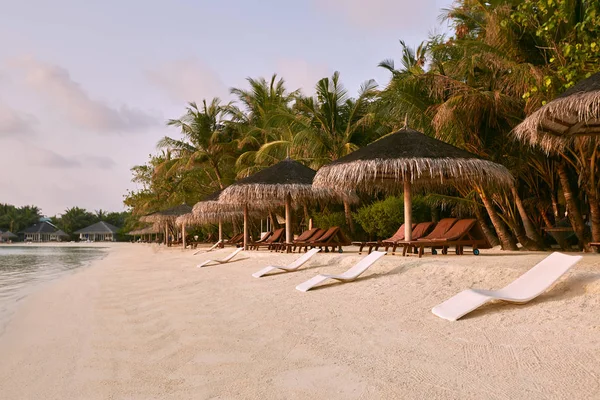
273 239
465 232
333 238
399 235
438 232
596 245
234 241
303 237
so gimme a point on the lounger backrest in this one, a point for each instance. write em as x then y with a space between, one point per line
421 229
276 236
539 278
305 257
460 229
328 235
229 257
236 238
266 236
399 235
441 228
317 235
363 264
306 234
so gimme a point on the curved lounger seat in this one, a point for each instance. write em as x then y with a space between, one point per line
223 261
292 267
465 232
347 276
525 288
214 246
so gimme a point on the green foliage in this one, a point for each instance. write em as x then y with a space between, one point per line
327 219
382 219
15 219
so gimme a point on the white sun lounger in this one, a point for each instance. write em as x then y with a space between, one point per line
292 267
214 246
223 261
525 288
347 276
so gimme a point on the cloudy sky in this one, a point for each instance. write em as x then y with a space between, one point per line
85 87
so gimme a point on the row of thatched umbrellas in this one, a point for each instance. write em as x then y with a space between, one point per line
406 159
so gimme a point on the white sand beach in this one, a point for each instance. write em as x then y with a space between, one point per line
145 323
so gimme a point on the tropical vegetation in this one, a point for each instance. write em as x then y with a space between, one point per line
502 61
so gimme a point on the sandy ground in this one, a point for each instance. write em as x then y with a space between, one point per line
144 323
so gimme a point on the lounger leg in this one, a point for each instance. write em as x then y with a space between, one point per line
421 251
361 249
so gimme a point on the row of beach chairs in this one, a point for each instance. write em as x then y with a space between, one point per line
449 232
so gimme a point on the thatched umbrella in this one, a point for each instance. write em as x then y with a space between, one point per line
8 235
167 217
573 115
271 187
413 159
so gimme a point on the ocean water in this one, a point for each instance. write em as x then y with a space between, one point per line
24 269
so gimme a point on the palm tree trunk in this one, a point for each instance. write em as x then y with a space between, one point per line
594 215
530 230
491 237
348 213
507 241
572 209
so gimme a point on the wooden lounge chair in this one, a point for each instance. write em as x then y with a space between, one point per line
419 231
289 268
333 238
523 289
465 232
303 237
347 276
438 232
223 261
596 245
261 240
234 241
276 237
399 235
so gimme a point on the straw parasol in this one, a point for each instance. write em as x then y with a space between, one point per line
413 159
573 115
167 217
8 235
274 186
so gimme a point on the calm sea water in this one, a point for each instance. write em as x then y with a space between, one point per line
24 268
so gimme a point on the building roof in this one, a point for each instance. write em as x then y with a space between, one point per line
98 228
41 227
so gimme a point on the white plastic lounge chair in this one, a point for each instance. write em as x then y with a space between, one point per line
223 261
214 246
292 267
525 288
347 276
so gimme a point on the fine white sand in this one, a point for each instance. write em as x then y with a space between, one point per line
145 323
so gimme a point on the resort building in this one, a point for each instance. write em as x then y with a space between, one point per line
98 232
44 231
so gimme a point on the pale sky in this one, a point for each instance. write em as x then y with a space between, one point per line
86 87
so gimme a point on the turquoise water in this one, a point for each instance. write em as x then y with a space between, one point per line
24 268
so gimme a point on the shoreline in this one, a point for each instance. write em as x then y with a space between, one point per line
143 322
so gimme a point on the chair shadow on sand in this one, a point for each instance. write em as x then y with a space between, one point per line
228 262
570 288
375 275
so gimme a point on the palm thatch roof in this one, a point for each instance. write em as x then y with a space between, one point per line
61 233
269 187
212 205
8 235
574 115
409 155
145 231
98 228
167 216
195 219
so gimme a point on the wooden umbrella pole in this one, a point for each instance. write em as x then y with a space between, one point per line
183 235
407 211
245 226
166 234
220 229
288 218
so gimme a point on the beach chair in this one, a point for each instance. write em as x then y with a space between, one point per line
438 232
596 245
276 237
465 232
304 243
291 267
261 240
347 276
333 237
399 235
525 288
214 246
420 230
235 240
303 237
223 261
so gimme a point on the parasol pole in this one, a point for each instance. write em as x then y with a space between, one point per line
288 218
183 234
407 211
245 226
220 229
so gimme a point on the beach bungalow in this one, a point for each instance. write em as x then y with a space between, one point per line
98 232
44 231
